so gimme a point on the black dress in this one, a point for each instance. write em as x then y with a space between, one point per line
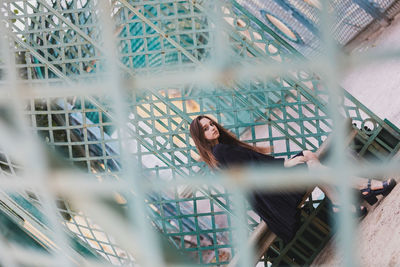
279 208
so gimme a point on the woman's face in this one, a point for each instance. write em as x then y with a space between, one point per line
211 132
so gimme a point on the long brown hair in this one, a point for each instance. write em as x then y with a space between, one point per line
205 148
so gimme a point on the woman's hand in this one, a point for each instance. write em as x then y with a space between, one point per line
294 161
309 158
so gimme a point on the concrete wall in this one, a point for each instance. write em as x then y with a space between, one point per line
377 86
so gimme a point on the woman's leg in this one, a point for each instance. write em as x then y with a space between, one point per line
360 183
313 162
330 193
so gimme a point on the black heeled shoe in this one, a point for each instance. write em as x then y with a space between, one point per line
370 195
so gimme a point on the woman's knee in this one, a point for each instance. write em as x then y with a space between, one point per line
309 155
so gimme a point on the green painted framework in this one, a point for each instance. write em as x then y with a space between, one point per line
61 42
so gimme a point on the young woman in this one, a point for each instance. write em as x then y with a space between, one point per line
219 148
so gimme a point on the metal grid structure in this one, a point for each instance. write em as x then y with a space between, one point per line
121 118
297 21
